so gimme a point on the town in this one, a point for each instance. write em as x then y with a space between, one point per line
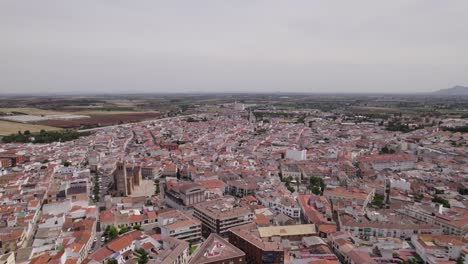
238 183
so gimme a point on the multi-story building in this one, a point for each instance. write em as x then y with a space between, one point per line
296 154
257 250
438 248
454 221
291 170
180 225
389 161
241 188
218 216
181 195
13 158
150 172
126 177
360 197
400 228
286 205
216 250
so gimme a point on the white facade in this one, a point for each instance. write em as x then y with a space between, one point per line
439 252
296 154
401 184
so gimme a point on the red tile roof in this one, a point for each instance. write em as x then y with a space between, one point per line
123 241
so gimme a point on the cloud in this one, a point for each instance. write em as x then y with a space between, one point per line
211 46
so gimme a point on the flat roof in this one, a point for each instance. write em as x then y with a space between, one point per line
289 230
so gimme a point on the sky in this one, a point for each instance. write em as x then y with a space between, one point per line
316 46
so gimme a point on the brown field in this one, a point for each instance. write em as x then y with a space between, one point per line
30 111
101 120
79 110
7 127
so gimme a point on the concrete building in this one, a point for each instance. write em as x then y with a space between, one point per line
126 177
218 216
454 221
361 197
438 248
180 225
216 250
257 250
398 229
296 154
181 195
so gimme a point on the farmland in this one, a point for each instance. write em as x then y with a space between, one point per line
99 120
7 127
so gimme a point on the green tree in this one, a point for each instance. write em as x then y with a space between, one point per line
316 185
440 200
463 190
143 256
112 261
123 229
112 233
378 200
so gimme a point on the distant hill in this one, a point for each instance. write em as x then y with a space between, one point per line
456 90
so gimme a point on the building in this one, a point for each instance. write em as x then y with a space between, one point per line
241 188
126 177
290 232
296 154
438 248
389 161
361 197
215 249
291 170
286 205
454 221
398 227
180 195
150 172
180 225
217 216
12 159
257 250
174 251
315 209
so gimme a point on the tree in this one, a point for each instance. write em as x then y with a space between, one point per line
378 200
418 197
386 150
112 233
143 258
157 190
316 185
123 229
463 190
440 200
112 261
66 163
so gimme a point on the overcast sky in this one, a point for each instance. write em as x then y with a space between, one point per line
232 46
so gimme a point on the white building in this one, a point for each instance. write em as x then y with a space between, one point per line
296 154
436 248
401 184
180 225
